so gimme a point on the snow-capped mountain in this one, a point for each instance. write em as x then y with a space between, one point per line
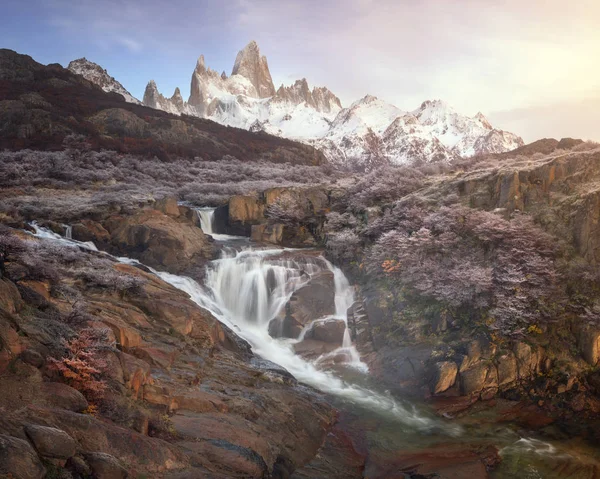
96 74
368 133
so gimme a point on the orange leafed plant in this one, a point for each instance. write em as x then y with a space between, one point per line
82 366
390 266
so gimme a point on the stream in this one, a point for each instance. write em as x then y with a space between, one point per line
250 285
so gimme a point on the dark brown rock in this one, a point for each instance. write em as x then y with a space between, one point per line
88 230
105 466
19 460
160 241
51 442
62 396
328 331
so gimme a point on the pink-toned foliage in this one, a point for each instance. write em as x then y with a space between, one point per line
460 257
82 365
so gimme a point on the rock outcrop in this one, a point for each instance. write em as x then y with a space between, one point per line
251 65
96 74
302 209
183 397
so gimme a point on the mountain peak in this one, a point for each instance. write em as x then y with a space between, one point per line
251 65
99 76
200 65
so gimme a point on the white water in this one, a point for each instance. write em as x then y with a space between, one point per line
246 289
207 225
207 219
68 231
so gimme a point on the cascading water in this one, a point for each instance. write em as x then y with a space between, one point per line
207 219
246 289
68 231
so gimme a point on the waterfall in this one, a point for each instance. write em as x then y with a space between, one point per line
207 219
246 289
68 231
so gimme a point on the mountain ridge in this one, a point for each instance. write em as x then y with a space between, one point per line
367 133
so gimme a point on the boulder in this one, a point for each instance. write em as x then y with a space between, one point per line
314 300
528 359
32 357
168 206
51 442
105 466
65 397
246 210
507 368
19 460
328 331
88 230
159 241
10 298
473 380
444 376
588 342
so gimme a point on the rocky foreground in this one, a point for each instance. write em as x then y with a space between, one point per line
178 394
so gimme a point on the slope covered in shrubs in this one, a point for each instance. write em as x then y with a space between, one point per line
40 105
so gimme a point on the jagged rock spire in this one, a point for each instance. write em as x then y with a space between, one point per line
251 65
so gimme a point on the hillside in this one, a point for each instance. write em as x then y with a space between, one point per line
40 105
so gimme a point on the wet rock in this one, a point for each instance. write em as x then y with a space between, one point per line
158 240
337 459
444 376
18 459
267 233
105 466
51 442
312 349
312 301
443 461
328 331
88 230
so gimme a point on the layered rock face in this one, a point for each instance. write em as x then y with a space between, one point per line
298 222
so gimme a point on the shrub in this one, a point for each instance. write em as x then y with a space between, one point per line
502 270
286 209
82 365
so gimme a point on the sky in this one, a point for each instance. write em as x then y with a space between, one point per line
531 66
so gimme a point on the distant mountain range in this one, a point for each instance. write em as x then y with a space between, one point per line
368 133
